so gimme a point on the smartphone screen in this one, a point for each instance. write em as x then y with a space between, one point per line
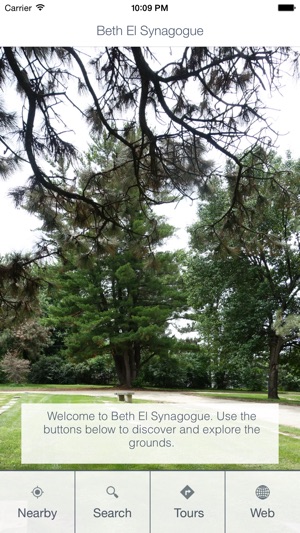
149 267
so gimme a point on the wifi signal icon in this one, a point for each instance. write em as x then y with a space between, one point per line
40 6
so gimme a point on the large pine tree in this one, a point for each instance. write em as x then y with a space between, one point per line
120 302
115 292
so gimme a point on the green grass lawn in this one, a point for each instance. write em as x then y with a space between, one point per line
288 398
10 442
5 398
18 388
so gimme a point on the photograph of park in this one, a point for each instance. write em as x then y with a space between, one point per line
150 234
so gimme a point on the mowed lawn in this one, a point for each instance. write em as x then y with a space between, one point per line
10 442
287 398
4 399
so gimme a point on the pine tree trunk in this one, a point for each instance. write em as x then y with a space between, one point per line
137 358
275 345
123 369
127 365
119 365
127 370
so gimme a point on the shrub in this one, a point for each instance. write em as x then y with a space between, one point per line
289 379
15 369
47 370
56 370
101 371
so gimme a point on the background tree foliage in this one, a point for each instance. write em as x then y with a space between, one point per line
244 272
204 98
19 285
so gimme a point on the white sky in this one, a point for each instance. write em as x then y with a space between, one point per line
18 228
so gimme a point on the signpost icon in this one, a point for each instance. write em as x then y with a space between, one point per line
187 492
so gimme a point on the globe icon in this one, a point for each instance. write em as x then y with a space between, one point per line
262 492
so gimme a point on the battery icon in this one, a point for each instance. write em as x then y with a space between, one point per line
286 7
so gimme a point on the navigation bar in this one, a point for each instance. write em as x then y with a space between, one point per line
152 502
124 23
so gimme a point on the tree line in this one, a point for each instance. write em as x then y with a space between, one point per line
98 279
108 306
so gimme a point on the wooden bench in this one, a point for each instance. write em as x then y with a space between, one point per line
124 396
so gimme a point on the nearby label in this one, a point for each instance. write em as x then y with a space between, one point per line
33 502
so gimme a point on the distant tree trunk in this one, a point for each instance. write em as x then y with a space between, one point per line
220 379
275 344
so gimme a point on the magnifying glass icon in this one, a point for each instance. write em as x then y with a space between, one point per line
112 492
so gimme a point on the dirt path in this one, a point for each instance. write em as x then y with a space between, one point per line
289 415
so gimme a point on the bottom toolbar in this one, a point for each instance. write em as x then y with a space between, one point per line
151 502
